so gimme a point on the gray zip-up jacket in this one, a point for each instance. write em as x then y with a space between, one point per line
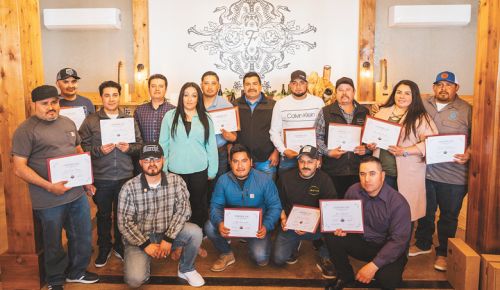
115 165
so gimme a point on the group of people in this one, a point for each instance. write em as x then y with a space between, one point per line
183 163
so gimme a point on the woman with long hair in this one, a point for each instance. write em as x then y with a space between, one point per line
188 140
404 163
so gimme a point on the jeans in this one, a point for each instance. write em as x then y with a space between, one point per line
340 248
106 199
286 164
259 249
265 166
74 217
286 243
137 262
449 198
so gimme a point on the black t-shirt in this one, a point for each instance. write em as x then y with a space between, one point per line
294 189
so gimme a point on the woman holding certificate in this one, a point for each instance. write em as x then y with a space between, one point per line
188 139
404 163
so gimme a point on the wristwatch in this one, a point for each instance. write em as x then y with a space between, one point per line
405 153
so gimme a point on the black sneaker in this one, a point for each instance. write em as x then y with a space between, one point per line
327 269
87 278
295 255
118 252
102 258
55 287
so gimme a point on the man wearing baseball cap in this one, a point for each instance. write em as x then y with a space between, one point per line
147 235
48 135
304 186
67 82
341 165
297 110
446 183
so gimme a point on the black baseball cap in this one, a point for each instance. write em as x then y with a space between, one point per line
151 149
67 73
310 151
344 80
43 92
298 74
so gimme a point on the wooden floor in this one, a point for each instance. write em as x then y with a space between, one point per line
302 275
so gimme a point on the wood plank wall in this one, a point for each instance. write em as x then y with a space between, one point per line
366 46
483 215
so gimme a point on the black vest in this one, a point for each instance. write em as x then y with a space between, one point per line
347 164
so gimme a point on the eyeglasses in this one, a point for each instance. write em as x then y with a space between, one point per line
151 159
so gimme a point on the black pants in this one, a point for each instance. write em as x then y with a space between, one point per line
340 248
197 185
106 199
342 183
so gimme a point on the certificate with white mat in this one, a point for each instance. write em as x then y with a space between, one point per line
442 148
242 222
303 218
341 214
76 169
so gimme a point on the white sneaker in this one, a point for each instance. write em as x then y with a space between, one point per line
193 278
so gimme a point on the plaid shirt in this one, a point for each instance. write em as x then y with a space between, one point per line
149 119
143 210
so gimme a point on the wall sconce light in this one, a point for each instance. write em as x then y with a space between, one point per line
365 71
140 74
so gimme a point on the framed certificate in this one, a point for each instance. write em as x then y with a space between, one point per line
441 148
381 132
347 137
297 138
341 214
303 218
227 119
117 130
243 222
76 169
76 114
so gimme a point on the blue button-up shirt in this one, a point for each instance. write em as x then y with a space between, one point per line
254 104
149 120
219 103
386 222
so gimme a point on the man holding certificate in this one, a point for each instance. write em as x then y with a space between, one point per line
295 111
249 189
43 136
300 190
210 87
446 183
111 163
341 164
386 221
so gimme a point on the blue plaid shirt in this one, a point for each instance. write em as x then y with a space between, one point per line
149 120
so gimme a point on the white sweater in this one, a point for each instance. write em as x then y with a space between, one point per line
291 113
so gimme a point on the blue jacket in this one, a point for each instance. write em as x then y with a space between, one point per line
259 191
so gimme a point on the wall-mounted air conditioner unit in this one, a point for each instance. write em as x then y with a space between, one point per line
429 15
82 18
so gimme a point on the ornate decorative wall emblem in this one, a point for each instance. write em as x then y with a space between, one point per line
252 35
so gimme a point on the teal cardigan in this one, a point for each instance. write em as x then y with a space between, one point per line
188 154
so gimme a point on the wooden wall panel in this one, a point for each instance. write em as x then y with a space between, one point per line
483 215
366 50
141 46
20 72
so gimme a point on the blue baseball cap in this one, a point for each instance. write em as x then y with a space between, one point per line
446 76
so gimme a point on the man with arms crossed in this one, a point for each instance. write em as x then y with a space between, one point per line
42 136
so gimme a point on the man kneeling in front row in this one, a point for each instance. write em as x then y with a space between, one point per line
153 210
384 243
